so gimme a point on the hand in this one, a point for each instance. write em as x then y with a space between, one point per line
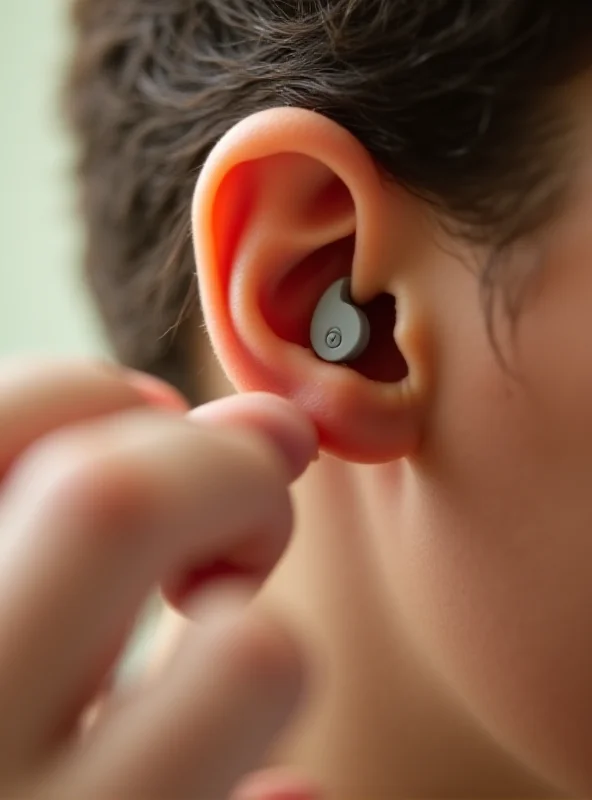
108 488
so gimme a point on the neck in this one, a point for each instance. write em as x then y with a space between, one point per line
378 722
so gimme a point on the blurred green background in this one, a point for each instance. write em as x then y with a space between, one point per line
44 308
43 305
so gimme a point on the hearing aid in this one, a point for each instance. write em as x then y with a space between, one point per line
339 331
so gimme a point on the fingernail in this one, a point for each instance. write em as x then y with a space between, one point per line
157 392
276 786
288 428
296 438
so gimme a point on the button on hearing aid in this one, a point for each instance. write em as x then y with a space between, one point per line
339 330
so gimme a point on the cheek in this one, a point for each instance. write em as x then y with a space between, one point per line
493 562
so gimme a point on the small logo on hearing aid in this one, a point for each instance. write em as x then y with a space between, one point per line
334 338
339 330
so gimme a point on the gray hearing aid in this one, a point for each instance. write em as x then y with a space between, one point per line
339 330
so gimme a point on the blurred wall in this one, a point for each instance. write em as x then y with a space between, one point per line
43 307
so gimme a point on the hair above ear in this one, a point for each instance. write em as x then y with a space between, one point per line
456 101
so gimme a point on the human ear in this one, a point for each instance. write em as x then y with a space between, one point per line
287 203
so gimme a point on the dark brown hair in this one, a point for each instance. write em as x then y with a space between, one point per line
453 98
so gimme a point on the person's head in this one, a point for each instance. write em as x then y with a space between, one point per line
440 153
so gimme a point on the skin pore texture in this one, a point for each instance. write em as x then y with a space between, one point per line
439 576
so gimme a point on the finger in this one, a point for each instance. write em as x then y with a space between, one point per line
276 418
37 397
203 725
276 785
96 517
273 416
280 421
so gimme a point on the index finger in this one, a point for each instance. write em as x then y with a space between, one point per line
130 501
40 396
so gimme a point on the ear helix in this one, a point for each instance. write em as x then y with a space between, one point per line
339 330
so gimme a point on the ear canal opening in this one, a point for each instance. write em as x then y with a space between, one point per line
382 361
289 304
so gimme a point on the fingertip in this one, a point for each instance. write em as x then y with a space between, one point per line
275 785
280 421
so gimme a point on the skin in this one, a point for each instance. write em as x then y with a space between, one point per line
109 487
436 592
439 578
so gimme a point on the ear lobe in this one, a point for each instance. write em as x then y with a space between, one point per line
288 203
